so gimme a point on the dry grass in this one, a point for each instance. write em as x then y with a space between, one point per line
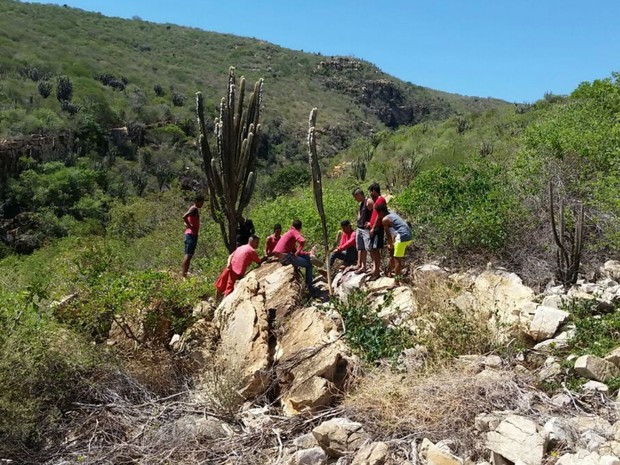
445 330
439 405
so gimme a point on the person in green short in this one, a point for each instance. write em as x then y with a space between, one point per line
398 234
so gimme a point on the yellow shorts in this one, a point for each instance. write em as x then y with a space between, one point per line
399 248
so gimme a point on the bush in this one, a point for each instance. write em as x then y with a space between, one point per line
64 89
45 88
43 369
467 209
367 333
286 179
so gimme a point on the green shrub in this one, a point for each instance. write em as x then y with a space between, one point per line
595 333
43 369
458 210
367 333
284 180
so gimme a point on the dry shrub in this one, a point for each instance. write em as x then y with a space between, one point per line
445 330
218 387
155 368
438 405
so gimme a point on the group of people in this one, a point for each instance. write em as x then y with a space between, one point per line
375 225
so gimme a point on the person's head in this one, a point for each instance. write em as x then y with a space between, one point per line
277 229
375 190
345 225
199 200
358 194
381 209
297 224
254 239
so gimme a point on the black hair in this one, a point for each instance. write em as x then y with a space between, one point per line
345 223
199 198
381 207
375 187
254 237
357 190
277 226
297 224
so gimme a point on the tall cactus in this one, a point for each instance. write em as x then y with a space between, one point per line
570 243
317 188
230 169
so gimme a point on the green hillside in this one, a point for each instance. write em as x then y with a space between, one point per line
134 57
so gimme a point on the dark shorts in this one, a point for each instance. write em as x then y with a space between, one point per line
190 244
376 241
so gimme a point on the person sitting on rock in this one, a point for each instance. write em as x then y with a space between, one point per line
238 263
346 250
398 235
272 240
290 251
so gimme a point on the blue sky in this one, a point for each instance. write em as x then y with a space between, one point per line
515 50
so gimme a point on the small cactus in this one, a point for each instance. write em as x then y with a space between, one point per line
45 88
64 89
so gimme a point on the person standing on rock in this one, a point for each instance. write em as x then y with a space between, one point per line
362 234
192 226
376 230
272 240
238 263
290 251
398 235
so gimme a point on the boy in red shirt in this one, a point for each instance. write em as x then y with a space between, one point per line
346 250
376 230
272 240
238 263
192 226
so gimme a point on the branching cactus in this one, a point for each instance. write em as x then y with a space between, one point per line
317 188
230 168
569 242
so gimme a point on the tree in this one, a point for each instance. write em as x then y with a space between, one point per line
230 168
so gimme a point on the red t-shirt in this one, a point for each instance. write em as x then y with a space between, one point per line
194 221
286 244
241 259
346 241
271 244
374 214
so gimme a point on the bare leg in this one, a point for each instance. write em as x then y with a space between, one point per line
375 254
398 263
361 262
185 265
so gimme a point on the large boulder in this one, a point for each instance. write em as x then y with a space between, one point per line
546 322
244 330
281 285
345 283
312 361
375 453
503 296
611 270
596 368
517 439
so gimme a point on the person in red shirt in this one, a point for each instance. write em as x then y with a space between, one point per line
290 251
192 226
346 250
238 263
376 231
272 240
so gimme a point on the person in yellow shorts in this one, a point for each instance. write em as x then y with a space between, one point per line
398 235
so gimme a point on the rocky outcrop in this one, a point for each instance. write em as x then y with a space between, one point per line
311 361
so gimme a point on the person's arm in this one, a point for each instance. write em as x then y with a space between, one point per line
337 241
386 225
349 243
190 212
300 241
370 204
267 246
230 257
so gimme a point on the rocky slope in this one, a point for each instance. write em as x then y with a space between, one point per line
307 398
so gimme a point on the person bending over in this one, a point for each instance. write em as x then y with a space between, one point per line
238 263
398 234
